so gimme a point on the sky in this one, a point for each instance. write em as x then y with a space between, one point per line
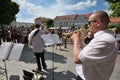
32 9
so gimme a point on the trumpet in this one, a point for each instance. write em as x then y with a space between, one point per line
67 35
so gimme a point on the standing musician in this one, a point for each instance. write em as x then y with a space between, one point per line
38 46
97 59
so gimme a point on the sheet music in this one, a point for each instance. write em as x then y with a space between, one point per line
10 51
16 52
5 49
56 39
51 39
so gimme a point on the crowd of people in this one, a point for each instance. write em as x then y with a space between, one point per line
20 34
13 34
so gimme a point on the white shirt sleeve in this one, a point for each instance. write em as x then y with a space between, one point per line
95 52
30 36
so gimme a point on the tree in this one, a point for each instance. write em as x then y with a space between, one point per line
86 26
49 23
118 27
8 11
112 1
115 7
72 26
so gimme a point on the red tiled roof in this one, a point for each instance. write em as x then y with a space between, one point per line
74 16
115 20
71 17
87 15
66 17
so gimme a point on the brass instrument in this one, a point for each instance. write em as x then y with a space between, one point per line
67 35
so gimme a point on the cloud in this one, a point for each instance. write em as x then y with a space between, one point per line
109 11
29 11
106 4
57 8
82 5
29 7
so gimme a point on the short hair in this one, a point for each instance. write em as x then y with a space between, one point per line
37 25
103 16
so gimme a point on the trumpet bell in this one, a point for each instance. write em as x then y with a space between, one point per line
67 35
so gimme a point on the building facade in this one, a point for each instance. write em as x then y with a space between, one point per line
78 21
19 24
66 21
40 20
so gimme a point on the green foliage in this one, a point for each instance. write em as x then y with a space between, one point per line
72 26
111 26
86 26
117 26
112 1
49 23
8 11
115 7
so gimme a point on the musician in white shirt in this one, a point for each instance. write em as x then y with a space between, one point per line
97 59
38 46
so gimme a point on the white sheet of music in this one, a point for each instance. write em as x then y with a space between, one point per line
51 39
5 49
10 51
16 52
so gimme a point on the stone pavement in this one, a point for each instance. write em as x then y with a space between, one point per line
60 60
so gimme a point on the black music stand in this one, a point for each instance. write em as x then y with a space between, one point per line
51 40
3 71
9 51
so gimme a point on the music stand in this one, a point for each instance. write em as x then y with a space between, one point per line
10 51
4 70
51 40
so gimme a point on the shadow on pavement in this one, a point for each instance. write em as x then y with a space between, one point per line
14 77
28 56
55 57
62 75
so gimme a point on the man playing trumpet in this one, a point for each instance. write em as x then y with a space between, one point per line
96 60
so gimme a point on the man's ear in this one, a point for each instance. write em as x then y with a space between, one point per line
98 23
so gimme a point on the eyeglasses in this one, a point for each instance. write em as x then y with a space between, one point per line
91 21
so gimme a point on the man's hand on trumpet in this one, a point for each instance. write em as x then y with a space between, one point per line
76 37
76 48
